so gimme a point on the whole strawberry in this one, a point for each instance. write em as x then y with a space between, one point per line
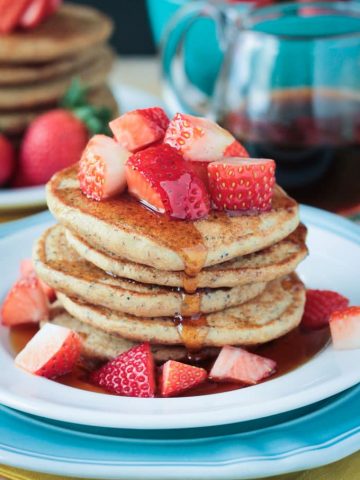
7 160
54 140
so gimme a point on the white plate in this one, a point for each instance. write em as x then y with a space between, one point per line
127 97
333 264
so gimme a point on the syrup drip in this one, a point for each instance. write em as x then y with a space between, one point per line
190 284
190 304
192 331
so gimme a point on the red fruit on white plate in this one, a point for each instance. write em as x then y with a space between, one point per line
130 374
140 128
10 13
52 352
161 180
238 365
178 377
26 302
102 168
319 305
7 160
200 139
27 268
242 184
55 140
345 328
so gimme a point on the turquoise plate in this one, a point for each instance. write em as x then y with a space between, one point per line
302 439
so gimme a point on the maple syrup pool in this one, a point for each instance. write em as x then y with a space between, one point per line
290 351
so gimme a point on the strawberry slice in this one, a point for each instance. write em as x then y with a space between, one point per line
35 13
235 149
159 178
200 139
10 13
102 168
319 305
345 328
52 352
242 184
140 128
26 302
27 268
130 374
238 365
178 377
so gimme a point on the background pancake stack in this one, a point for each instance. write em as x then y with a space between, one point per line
125 275
37 66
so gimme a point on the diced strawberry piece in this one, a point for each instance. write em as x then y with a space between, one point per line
10 13
235 149
35 13
140 128
102 168
159 178
201 170
27 268
242 184
345 328
130 374
319 305
200 139
26 302
178 377
52 352
238 365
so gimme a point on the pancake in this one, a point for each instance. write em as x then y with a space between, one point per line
263 266
42 93
99 346
60 266
127 229
11 74
270 315
15 122
71 30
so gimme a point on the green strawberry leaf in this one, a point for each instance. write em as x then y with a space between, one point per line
96 118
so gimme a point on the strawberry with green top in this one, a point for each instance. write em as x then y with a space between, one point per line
161 180
130 374
51 353
57 138
200 139
242 184
140 128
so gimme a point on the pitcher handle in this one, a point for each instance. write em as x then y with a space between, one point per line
173 60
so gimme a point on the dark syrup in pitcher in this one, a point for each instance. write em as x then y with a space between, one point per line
314 136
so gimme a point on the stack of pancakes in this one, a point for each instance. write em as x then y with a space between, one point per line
124 274
38 66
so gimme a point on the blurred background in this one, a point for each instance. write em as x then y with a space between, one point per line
132 35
